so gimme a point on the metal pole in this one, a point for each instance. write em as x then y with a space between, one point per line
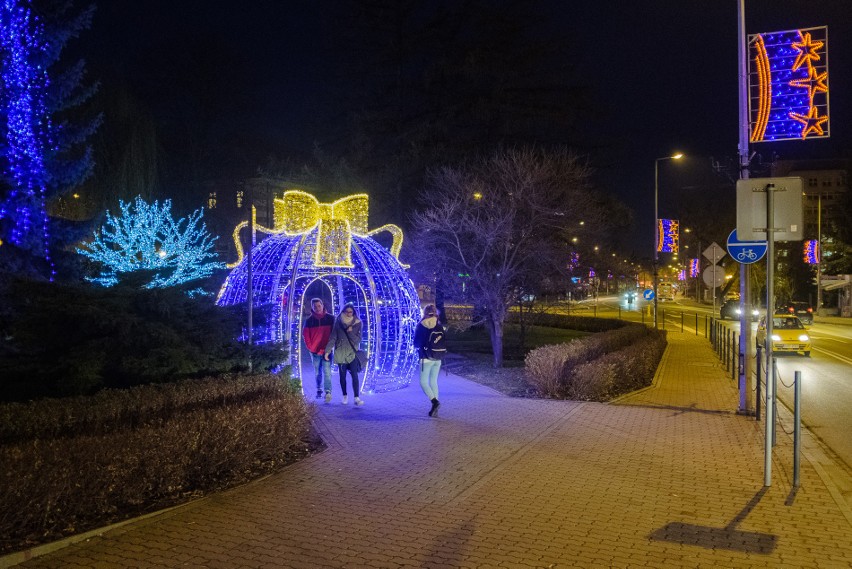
775 400
759 370
770 364
797 428
819 253
696 323
250 295
656 232
681 321
745 386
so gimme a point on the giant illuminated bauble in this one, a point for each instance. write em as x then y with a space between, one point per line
315 243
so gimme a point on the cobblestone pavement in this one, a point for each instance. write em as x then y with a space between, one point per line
667 477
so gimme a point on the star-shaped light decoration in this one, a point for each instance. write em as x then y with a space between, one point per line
814 83
807 50
812 122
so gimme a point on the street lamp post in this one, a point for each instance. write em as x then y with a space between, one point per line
677 156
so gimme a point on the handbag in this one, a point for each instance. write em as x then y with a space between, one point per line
360 361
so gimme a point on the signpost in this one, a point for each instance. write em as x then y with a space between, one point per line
648 294
714 276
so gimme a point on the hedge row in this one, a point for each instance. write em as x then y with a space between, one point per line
583 323
187 439
619 372
116 409
553 369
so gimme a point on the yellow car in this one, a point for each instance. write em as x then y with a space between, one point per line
788 334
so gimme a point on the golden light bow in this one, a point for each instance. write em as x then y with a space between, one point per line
298 213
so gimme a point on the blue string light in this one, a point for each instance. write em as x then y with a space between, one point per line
23 101
146 237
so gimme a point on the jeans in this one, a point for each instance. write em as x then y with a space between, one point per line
322 370
356 384
429 377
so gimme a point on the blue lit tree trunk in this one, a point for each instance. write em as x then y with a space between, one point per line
41 154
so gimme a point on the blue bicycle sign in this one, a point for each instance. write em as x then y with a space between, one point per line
745 252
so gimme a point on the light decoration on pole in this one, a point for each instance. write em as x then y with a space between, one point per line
330 246
694 268
146 237
668 236
812 252
788 81
23 98
681 275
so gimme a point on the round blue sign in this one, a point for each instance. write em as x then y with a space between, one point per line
648 294
745 252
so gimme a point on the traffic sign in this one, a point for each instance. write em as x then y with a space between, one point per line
713 276
745 252
714 253
648 294
787 224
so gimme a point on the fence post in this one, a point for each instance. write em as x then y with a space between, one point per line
758 371
797 428
735 356
775 399
696 323
681 321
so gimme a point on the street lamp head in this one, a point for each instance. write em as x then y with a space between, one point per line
677 156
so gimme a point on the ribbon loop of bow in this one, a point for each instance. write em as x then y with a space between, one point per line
298 213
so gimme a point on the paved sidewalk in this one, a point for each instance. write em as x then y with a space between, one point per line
667 477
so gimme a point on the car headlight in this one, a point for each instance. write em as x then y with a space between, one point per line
776 338
738 311
804 338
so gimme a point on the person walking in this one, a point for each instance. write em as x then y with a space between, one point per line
316 332
431 348
344 341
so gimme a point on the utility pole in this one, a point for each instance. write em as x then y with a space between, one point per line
746 380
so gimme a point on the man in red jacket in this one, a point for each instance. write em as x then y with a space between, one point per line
316 332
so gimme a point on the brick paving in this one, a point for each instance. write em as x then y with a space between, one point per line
669 476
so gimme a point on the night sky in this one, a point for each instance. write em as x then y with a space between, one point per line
661 75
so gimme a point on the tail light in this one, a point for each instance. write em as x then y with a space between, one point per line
810 309
791 310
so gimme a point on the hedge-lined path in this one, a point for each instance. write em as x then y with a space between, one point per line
667 477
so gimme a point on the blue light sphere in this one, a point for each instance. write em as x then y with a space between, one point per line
291 266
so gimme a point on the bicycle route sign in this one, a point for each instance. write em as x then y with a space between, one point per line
745 252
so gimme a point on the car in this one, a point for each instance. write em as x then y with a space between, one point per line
801 309
630 296
788 334
731 309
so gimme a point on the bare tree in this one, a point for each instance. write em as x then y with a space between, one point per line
504 221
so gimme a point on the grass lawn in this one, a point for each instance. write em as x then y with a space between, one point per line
475 343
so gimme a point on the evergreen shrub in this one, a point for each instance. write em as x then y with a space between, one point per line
552 368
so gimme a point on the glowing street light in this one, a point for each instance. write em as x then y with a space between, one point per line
677 156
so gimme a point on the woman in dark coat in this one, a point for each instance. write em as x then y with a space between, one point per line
344 341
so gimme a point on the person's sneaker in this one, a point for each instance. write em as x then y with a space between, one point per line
319 393
358 401
328 396
345 399
433 412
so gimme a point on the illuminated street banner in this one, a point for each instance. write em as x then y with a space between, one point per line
788 85
812 252
668 236
694 267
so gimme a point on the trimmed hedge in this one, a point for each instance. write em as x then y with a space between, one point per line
68 468
558 371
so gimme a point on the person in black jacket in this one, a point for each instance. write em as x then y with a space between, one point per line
429 341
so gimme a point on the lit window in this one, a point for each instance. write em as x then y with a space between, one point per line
211 200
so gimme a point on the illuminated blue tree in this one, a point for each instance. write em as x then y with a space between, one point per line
147 237
40 152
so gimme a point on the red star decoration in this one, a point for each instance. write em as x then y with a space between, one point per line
815 82
807 50
812 122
